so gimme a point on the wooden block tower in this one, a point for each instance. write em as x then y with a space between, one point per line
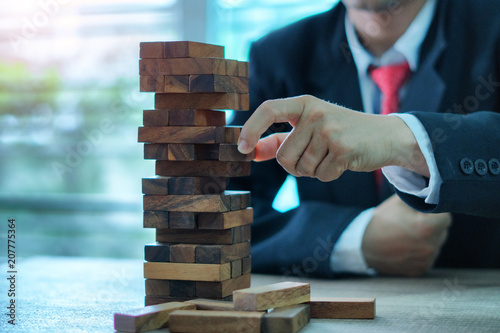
202 246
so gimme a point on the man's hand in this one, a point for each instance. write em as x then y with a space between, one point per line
327 139
401 241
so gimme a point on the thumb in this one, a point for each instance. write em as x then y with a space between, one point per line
267 147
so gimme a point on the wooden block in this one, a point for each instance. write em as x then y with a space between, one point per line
155 118
240 199
158 287
188 203
188 272
246 265
342 308
157 252
182 220
229 152
156 151
197 117
232 134
289 319
151 83
181 134
196 236
218 83
156 219
179 288
182 253
235 268
180 49
220 254
222 289
215 321
243 69
202 168
191 152
152 300
155 186
231 101
187 66
148 318
271 296
197 185
174 84
226 220
211 305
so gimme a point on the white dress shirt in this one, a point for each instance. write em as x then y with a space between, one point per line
347 255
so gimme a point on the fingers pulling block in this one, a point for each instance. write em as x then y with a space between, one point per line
215 321
342 308
289 319
148 318
271 296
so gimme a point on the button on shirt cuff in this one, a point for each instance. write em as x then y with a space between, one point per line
410 182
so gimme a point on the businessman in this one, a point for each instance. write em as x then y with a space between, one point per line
445 54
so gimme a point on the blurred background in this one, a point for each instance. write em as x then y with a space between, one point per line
70 164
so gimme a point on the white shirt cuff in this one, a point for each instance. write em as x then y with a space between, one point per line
347 255
410 182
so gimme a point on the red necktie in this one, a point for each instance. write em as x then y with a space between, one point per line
389 79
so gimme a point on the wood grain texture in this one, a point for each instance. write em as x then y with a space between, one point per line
222 289
232 101
155 117
155 186
151 83
179 49
156 219
157 287
342 308
188 203
289 319
202 169
186 186
180 288
232 134
235 268
182 220
229 152
184 117
219 254
243 69
218 221
152 300
148 318
182 253
156 151
181 134
211 304
187 272
187 66
157 252
246 265
204 237
271 296
192 152
218 83
215 321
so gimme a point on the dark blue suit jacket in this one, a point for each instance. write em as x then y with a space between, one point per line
312 56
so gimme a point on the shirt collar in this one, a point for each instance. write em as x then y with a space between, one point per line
407 47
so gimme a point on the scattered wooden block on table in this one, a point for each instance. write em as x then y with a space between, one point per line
229 152
180 49
181 134
156 219
211 304
187 66
157 252
342 308
218 221
220 254
197 236
230 101
271 296
215 321
148 318
223 288
202 169
182 253
289 319
187 272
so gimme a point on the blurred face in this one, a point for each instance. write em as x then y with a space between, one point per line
372 5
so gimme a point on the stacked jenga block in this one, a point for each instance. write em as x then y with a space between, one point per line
202 247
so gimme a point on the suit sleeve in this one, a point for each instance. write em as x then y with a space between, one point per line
467 153
300 241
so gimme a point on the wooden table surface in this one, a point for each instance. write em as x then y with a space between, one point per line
74 294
